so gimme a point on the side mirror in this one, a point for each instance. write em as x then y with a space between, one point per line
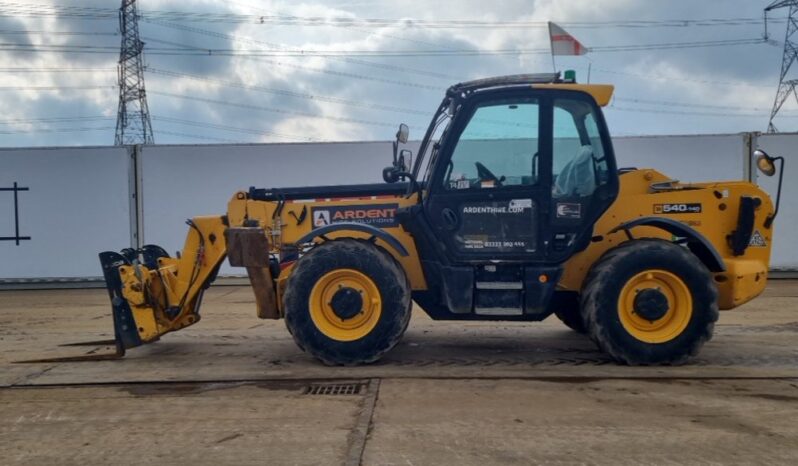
403 133
406 160
765 163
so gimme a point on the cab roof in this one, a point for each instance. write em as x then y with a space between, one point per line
602 93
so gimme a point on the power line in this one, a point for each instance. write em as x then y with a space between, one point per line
424 113
242 39
687 104
55 88
676 112
198 51
677 45
58 130
11 121
24 32
279 110
194 136
343 74
669 78
236 129
17 9
55 70
451 78
287 93
369 34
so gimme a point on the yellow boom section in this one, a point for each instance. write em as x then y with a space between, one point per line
167 298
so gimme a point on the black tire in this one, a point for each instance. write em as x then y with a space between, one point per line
603 288
380 268
567 309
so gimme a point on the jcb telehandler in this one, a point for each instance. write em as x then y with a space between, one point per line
513 210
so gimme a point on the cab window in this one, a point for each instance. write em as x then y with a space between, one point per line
579 162
497 148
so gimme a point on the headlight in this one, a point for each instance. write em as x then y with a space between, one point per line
764 163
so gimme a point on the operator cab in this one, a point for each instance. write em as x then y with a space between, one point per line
515 170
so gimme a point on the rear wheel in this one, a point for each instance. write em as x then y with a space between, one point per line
347 302
650 301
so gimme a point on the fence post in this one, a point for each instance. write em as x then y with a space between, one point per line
750 164
136 201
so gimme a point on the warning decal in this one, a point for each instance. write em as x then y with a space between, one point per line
757 240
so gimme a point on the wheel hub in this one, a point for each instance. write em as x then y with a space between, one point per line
346 303
655 306
651 304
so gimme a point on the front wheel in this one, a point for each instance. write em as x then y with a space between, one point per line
347 302
650 301
568 311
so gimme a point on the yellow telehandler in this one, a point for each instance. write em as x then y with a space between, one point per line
514 209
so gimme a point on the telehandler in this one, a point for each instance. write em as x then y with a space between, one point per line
513 210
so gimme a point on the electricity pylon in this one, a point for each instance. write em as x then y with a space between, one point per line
133 124
786 86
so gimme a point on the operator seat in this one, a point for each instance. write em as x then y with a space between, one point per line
577 177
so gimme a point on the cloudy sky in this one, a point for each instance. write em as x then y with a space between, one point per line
53 92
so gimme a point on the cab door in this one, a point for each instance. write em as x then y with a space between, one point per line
490 193
522 176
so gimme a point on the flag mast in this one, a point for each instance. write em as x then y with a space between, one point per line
563 43
551 47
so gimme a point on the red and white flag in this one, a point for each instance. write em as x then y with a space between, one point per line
563 43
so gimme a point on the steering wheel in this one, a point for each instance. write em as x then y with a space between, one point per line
485 174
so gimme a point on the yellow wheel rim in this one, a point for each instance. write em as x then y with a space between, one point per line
348 328
673 321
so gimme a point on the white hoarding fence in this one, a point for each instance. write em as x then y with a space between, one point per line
75 202
784 255
687 158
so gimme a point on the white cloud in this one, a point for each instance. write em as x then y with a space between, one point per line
696 76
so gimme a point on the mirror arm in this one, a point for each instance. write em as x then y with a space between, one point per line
414 186
769 220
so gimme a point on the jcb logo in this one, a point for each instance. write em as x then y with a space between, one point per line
677 208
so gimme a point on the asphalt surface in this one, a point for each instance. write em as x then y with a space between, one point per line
235 389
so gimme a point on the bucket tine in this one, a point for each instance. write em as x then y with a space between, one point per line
118 353
92 343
